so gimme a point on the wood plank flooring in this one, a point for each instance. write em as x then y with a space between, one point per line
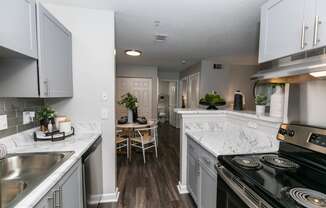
152 185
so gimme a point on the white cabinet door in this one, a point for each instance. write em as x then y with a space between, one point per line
55 56
283 30
18 26
193 173
208 187
320 24
71 189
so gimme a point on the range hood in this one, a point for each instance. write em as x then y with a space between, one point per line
293 69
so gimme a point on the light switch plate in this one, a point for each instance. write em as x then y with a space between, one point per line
3 122
28 117
104 113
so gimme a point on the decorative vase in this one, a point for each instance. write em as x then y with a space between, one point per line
44 124
135 114
277 103
130 116
260 110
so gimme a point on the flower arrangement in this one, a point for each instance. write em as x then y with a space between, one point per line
212 100
129 101
45 115
261 100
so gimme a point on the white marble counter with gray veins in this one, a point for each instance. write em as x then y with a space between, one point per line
228 137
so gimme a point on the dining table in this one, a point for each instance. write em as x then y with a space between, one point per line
131 127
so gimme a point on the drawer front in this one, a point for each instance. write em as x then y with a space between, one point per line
208 159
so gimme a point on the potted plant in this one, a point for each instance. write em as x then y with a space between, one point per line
212 100
130 102
260 101
45 115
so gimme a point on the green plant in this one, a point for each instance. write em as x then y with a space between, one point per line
212 99
45 113
261 100
129 101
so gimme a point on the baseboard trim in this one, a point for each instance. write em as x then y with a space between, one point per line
182 188
111 197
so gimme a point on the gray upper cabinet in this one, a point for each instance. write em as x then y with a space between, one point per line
320 24
18 28
281 28
55 56
291 26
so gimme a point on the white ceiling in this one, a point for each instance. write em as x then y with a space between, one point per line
196 29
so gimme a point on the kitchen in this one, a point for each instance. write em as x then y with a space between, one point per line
263 147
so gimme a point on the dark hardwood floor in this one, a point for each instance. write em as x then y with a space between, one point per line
152 185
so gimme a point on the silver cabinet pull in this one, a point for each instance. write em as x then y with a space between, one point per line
317 23
46 85
207 161
303 36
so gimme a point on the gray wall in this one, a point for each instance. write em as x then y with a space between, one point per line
224 81
137 71
168 75
309 103
13 108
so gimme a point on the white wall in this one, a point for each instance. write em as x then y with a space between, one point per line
93 74
310 106
138 71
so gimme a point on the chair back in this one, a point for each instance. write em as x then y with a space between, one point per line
147 132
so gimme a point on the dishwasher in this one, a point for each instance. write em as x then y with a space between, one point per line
92 175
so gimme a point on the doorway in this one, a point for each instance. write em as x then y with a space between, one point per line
167 101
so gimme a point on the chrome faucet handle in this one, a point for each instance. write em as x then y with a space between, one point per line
3 151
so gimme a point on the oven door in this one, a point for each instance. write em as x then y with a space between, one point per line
226 197
233 193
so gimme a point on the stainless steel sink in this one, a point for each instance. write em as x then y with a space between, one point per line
21 173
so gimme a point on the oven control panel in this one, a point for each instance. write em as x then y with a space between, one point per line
305 136
318 139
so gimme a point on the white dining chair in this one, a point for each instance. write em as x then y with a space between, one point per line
121 141
145 139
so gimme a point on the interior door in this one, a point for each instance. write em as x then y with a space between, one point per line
172 102
193 90
139 87
320 24
281 30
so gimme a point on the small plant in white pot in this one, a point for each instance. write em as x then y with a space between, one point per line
260 101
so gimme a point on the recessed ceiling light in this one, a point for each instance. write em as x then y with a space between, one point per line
132 52
183 61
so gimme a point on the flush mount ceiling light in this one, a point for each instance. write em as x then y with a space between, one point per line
133 52
318 74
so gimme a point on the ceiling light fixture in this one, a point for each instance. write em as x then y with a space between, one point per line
133 52
318 74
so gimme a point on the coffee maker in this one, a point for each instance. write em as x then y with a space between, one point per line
239 100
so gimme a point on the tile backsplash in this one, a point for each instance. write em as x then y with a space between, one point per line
14 108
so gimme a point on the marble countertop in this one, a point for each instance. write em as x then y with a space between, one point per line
247 114
228 143
23 143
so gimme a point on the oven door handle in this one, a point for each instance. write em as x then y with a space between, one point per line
240 189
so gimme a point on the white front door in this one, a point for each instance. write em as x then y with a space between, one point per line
139 87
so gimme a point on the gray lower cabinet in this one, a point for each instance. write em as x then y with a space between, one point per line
208 186
18 28
202 176
67 193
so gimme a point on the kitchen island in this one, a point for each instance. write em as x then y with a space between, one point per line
224 132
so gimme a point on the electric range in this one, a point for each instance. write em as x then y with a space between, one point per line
293 177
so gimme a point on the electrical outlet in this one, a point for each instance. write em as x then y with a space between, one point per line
3 122
104 113
28 117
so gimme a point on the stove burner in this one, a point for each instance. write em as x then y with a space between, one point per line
247 162
279 161
308 198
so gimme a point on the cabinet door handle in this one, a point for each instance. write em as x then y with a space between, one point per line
316 30
46 84
303 36
207 161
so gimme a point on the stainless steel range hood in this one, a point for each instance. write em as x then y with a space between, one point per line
298 68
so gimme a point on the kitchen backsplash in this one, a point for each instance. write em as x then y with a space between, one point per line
14 108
